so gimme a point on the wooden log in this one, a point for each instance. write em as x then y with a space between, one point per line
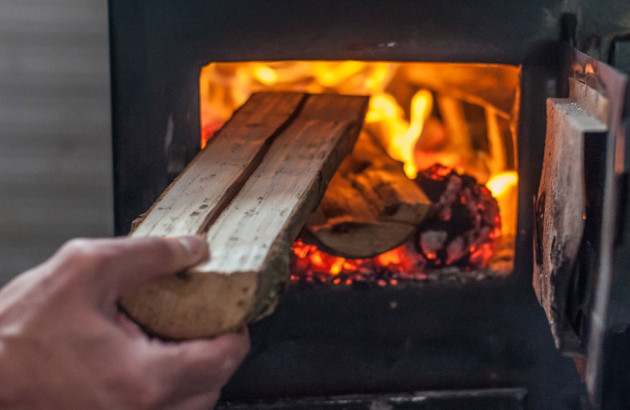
201 192
250 192
561 211
370 206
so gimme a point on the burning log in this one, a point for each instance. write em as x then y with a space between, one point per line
457 240
370 206
249 192
464 222
576 130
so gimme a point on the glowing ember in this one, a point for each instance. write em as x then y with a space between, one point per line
423 114
465 221
309 263
461 232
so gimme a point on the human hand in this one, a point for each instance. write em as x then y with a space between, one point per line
64 344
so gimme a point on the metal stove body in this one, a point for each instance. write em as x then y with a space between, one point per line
489 338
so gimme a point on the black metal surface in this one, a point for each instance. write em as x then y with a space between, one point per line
568 29
620 54
489 399
616 349
579 297
612 84
494 334
573 321
332 341
337 341
340 341
616 383
159 46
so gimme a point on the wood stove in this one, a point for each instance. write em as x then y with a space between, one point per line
363 345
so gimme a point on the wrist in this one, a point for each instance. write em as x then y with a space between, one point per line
13 383
6 390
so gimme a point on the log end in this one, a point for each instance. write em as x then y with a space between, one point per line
202 304
193 304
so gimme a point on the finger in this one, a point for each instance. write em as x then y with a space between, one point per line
143 259
200 366
122 264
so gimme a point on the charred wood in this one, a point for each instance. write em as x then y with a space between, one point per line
370 206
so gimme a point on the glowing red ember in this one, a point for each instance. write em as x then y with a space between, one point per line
464 223
461 232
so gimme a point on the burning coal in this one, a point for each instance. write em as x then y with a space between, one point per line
462 231
422 114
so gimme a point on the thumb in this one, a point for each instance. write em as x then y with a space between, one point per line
114 266
141 259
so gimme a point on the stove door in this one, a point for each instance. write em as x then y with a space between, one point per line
577 211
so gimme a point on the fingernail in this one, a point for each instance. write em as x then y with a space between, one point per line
193 244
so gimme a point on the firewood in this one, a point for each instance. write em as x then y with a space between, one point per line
560 207
370 206
464 224
249 192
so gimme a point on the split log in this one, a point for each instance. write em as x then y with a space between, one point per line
560 210
250 192
370 206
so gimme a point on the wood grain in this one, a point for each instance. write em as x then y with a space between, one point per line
251 233
370 206
213 178
560 210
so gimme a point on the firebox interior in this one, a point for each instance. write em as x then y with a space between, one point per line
460 117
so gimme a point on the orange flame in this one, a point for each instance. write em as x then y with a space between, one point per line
469 248
311 261
418 120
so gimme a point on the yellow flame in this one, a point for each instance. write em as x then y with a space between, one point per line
402 135
402 97
402 145
504 188
331 74
383 107
500 183
378 77
397 115
337 266
265 74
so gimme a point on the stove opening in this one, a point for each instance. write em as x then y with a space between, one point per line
449 129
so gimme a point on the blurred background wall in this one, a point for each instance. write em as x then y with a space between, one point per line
55 144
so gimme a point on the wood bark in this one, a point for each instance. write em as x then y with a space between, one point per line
560 211
370 206
249 192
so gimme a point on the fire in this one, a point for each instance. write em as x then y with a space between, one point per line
440 242
504 188
403 134
421 113
499 184
314 264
